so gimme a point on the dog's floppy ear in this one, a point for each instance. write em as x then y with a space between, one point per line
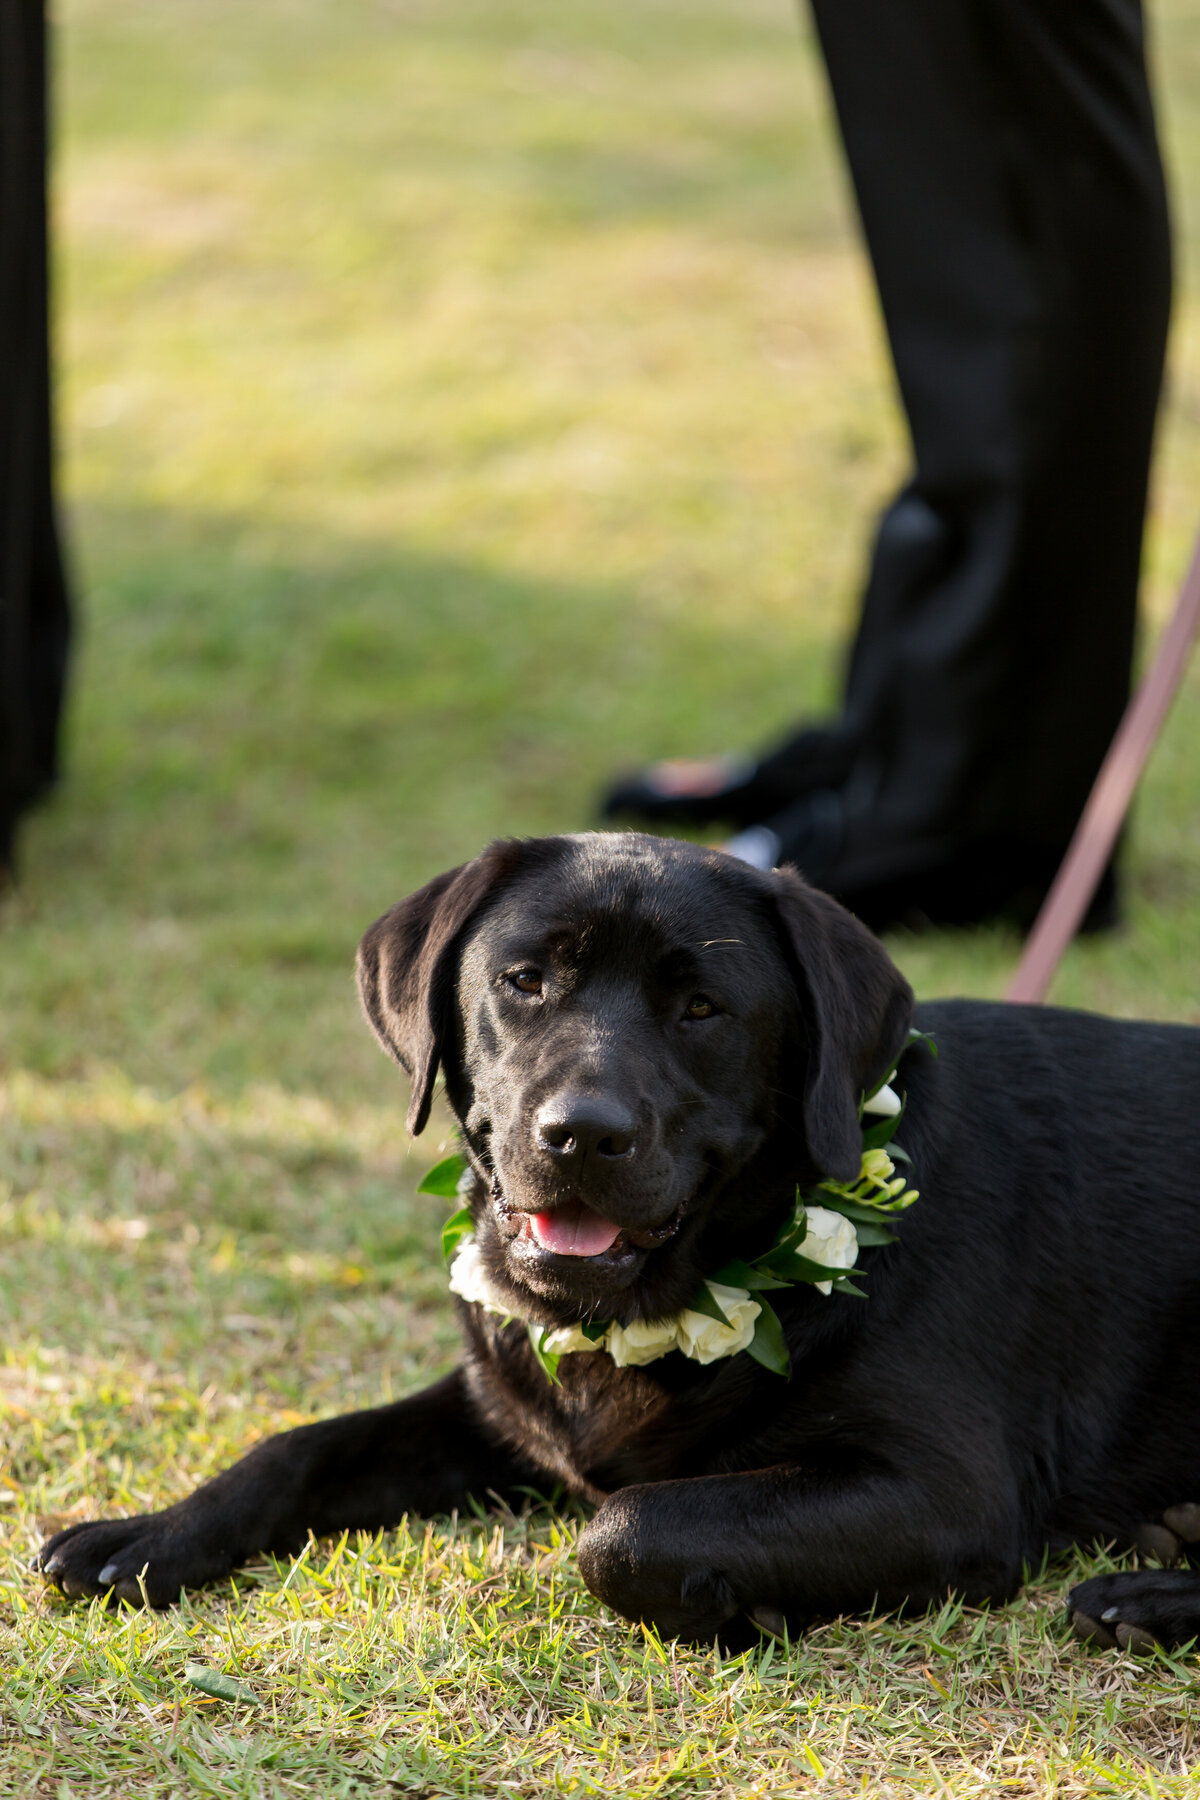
406 961
859 1007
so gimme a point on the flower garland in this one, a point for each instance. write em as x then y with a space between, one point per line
818 1244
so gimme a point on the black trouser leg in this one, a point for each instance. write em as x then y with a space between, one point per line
34 615
1004 158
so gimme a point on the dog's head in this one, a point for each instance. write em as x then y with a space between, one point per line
646 1044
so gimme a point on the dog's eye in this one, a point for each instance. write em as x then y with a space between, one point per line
700 1007
526 981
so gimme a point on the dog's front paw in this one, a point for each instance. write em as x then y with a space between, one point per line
151 1558
655 1582
1137 1610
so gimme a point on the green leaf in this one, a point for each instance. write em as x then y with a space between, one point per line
768 1345
846 1286
779 1263
878 1137
594 1333
791 1226
459 1225
444 1177
218 1686
923 1037
859 1212
743 1274
871 1234
705 1301
802 1268
547 1359
791 1234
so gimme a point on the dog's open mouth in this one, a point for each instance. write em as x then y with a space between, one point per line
573 1228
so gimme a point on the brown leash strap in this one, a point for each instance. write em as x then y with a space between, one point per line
1108 802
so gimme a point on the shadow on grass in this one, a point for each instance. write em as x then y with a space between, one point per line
275 734
260 687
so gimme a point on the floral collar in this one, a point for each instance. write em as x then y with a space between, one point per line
817 1245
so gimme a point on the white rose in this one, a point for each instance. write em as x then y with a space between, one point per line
705 1339
469 1278
631 1345
566 1338
830 1240
886 1103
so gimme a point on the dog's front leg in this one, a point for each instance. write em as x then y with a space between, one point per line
363 1471
698 1557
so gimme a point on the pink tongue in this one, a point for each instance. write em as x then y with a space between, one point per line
574 1230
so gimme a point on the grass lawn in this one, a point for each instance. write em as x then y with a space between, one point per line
461 398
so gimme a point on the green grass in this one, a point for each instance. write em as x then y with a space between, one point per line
460 400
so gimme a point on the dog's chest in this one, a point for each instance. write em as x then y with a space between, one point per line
598 1428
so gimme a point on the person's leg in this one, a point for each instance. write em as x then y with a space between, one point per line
1005 163
34 615
1004 158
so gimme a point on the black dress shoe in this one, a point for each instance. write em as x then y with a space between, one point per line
733 790
968 885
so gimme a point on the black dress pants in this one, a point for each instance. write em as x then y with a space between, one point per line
1004 159
34 613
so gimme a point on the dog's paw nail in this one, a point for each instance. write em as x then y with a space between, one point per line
1111 1613
107 1575
1090 1631
50 1568
770 1620
1184 1521
1133 1637
1157 1542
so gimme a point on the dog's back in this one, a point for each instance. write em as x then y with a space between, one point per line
1054 1256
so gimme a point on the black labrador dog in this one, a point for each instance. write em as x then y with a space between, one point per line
648 1046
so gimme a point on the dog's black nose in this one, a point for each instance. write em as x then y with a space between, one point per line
573 1127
